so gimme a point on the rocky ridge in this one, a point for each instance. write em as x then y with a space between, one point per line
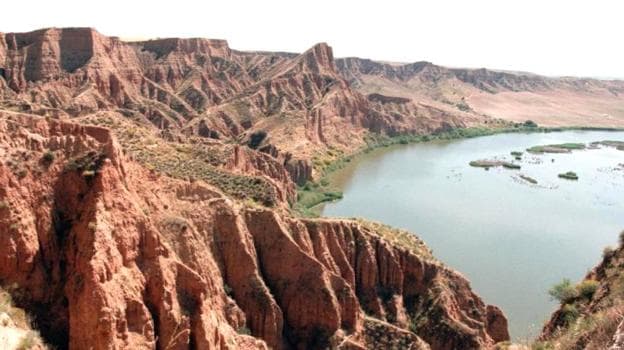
512 96
202 87
146 193
106 254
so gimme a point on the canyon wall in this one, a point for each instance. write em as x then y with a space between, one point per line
201 87
104 253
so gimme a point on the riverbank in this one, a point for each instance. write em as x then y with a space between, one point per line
314 194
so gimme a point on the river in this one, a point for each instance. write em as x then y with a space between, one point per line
512 239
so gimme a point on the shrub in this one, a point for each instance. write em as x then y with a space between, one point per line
570 175
564 292
463 106
569 314
530 124
48 157
256 139
4 205
622 238
587 288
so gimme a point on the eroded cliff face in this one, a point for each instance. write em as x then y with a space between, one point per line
107 254
187 87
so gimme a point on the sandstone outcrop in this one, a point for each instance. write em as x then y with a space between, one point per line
202 87
106 254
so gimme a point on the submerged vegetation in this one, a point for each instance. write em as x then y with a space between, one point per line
619 145
528 179
493 163
312 194
558 148
570 175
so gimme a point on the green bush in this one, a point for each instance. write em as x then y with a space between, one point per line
587 288
48 157
564 292
569 314
256 139
530 124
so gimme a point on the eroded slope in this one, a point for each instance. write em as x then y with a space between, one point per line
107 254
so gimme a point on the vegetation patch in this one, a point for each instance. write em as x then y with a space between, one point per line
399 237
619 145
558 148
570 175
493 163
564 292
311 195
48 157
528 179
194 159
509 165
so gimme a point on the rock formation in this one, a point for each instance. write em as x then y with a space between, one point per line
107 254
202 87
146 190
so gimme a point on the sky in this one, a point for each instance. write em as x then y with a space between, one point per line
551 37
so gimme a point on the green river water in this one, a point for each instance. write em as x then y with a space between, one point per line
513 240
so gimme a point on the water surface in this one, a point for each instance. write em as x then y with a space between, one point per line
511 239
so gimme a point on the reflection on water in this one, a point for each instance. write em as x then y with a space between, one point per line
511 238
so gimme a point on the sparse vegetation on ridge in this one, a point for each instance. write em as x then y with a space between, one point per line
402 238
186 160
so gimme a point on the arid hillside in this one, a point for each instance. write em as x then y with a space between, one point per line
147 193
292 106
514 97
103 253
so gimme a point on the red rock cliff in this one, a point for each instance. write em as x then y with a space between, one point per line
108 255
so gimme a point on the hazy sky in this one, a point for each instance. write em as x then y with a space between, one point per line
548 37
